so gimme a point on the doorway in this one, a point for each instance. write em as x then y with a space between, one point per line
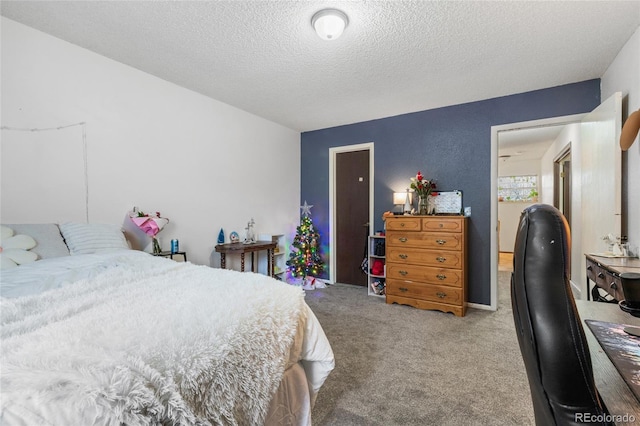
596 161
496 132
351 201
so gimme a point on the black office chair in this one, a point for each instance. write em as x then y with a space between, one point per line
550 333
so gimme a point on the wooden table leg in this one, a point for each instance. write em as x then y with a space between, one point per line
255 256
271 268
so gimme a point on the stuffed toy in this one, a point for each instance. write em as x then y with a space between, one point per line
13 248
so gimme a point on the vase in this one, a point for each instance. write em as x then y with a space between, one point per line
156 246
423 205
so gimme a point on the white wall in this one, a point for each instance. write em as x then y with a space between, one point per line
203 164
624 75
509 212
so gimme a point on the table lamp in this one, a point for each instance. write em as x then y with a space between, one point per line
399 199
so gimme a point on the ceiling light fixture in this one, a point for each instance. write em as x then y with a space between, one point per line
329 23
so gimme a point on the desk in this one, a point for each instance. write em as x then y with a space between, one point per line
605 273
242 248
612 388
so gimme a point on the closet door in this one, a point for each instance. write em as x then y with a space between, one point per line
352 216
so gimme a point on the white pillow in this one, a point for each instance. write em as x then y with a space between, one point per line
87 238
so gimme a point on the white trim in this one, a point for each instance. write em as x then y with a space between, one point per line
495 130
577 291
332 214
479 306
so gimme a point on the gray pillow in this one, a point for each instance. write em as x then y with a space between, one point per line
47 235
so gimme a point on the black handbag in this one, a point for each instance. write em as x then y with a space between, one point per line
364 266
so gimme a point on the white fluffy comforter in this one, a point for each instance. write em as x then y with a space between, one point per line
145 340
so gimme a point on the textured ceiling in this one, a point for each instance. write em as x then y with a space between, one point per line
394 57
528 143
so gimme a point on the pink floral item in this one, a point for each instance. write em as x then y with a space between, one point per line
150 224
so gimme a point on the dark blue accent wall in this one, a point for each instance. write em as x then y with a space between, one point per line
451 145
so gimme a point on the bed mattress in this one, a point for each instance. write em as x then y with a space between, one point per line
125 337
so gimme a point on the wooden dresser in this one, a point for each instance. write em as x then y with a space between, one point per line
427 262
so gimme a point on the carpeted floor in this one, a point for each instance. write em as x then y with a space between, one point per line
397 365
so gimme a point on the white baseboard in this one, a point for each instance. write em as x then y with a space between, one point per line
480 306
577 291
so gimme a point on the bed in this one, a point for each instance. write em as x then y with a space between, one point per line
96 333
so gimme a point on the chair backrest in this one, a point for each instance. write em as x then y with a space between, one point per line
550 333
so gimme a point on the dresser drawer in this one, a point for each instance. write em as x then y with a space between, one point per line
437 240
433 293
592 270
411 256
605 280
405 239
426 274
403 223
611 283
600 276
443 240
442 224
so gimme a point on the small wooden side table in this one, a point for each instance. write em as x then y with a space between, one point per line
170 254
242 248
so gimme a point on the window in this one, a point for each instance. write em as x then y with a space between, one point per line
518 188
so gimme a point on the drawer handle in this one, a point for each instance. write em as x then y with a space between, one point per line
600 275
441 259
441 276
403 289
402 272
613 286
441 225
441 295
402 256
589 268
441 242
402 239
402 224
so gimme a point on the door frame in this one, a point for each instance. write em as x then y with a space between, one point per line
333 152
495 130
557 179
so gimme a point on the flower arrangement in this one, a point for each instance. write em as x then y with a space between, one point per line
150 224
423 188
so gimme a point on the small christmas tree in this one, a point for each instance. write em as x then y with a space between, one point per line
305 259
